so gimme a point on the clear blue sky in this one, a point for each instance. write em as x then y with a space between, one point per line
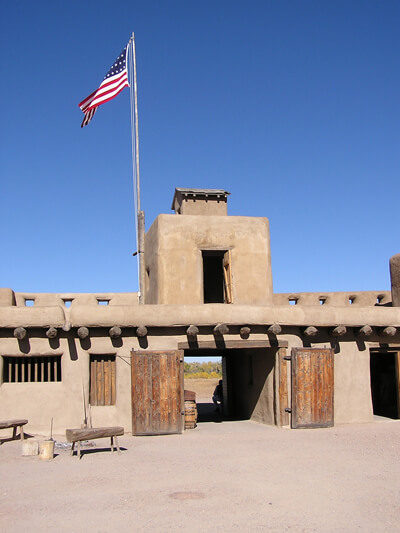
292 106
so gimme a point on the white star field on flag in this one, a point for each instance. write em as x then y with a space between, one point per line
114 81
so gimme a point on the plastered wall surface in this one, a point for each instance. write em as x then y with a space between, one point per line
261 385
63 401
39 402
174 260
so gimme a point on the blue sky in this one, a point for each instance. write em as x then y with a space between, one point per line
292 106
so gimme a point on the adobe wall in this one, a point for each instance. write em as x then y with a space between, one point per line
174 260
39 402
167 326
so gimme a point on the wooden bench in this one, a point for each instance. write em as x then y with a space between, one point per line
14 424
78 435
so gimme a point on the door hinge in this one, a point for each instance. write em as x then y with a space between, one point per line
288 410
287 357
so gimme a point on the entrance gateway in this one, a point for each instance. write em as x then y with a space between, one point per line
257 385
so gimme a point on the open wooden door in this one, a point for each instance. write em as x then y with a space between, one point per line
157 392
312 387
227 265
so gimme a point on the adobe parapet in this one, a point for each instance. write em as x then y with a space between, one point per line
105 310
336 299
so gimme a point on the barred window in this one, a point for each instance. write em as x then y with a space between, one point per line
31 369
102 380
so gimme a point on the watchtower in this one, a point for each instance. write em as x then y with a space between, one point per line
201 255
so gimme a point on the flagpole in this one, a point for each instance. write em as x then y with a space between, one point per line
140 213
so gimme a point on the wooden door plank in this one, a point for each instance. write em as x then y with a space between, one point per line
156 396
113 380
283 387
227 268
163 393
93 397
312 387
106 381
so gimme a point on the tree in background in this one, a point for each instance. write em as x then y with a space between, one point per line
205 370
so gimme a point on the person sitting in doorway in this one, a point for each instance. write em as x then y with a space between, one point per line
218 396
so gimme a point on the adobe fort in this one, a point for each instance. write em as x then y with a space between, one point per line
299 359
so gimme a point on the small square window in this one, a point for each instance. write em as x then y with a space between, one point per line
29 302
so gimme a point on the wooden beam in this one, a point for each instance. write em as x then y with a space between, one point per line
51 333
20 333
221 329
365 331
339 331
115 332
245 331
390 331
230 345
141 331
310 331
192 331
83 332
275 329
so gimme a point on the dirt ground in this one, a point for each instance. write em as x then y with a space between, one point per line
203 388
223 476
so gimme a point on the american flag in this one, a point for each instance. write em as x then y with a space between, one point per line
114 81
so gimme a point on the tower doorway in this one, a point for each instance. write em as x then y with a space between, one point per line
385 383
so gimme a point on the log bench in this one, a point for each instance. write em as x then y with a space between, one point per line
78 435
14 424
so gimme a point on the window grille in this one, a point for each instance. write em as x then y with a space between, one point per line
31 369
102 380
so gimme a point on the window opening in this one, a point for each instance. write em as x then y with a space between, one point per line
217 276
29 302
31 369
103 302
67 303
102 380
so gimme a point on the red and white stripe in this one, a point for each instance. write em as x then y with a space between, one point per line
108 90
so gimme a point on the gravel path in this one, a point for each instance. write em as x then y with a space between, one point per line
220 477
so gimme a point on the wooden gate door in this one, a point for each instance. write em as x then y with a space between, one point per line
312 387
157 392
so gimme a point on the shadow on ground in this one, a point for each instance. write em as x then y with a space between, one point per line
206 413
